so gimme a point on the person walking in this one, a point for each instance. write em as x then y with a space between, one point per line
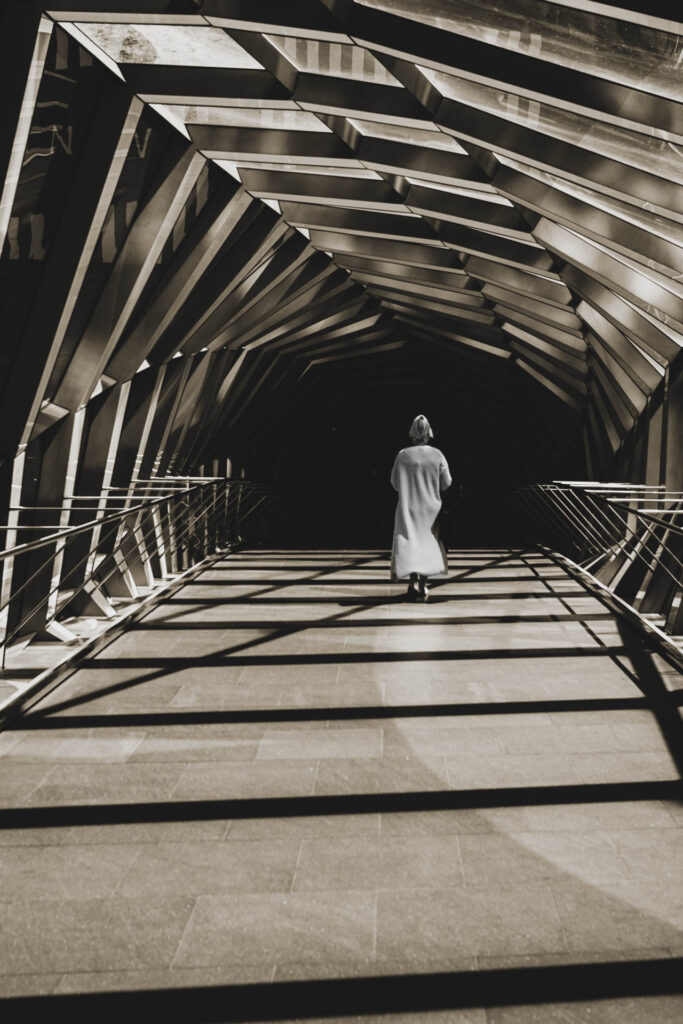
420 473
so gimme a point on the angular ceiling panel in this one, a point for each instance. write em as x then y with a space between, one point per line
467 185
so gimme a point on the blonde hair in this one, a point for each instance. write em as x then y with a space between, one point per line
420 431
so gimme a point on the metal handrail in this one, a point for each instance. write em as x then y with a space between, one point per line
201 515
46 596
613 531
71 531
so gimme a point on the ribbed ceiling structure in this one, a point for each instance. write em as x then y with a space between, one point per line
216 213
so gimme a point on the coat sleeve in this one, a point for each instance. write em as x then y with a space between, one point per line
445 479
394 473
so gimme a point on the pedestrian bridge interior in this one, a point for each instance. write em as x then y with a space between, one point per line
242 244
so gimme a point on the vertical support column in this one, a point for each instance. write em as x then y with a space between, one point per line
10 536
144 527
51 457
674 429
81 222
65 514
24 39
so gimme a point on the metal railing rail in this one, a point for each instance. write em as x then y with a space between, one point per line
102 580
629 537
179 524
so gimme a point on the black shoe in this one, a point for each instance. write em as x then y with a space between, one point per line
413 594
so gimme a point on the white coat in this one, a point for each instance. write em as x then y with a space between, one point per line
419 475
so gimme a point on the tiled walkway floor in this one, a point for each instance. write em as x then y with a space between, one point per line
287 773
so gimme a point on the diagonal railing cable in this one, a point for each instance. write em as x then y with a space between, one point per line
114 522
166 527
628 537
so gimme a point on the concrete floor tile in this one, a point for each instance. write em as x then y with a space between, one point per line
215 693
674 809
277 928
580 682
524 856
221 674
134 981
641 736
561 739
197 748
34 836
199 868
414 672
63 872
332 694
598 668
570 957
8 740
182 725
373 968
456 689
469 920
636 913
320 743
239 780
641 1010
439 740
144 832
653 852
501 723
428 862
604 716
453 670
106 783
18 781
435 823
339 723
303 642
625 767
472 771
569 818
144 643
150 685
291 673
90 935
314 826
583 817
388 775
16 985
287 720
44 746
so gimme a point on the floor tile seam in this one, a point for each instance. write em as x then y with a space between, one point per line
47 901
316 775
173 958
48 773
125 872
295 872
32 972
635 953
654 830
380 890
563 931
628 873
676 819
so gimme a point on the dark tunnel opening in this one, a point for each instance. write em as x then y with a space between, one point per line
332 461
